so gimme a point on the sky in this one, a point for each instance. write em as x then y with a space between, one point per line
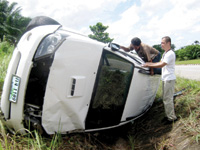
150 20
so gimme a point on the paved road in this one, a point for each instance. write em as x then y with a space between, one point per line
188 71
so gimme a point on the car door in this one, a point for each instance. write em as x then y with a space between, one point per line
110 91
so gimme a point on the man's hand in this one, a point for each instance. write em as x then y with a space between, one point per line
145 65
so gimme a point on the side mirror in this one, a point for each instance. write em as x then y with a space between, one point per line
114 46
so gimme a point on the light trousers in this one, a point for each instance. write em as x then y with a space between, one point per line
168 99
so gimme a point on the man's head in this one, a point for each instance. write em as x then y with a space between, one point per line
135 43
166 43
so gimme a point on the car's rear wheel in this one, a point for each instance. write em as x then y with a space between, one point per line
41 21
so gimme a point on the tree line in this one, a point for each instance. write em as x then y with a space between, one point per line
185 53
13 25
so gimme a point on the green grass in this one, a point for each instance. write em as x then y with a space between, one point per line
148 131
187 107
5 55
187 62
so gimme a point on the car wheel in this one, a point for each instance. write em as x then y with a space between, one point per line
40 21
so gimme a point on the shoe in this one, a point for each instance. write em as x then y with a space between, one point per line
166 121
169 122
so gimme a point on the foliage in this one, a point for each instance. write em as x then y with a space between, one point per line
145 132
6 48
12 24
173 46
196 42
188 53
158 47
5 55
99 33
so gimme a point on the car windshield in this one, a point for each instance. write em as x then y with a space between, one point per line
112 86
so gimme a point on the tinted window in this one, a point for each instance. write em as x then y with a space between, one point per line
112 86
114 81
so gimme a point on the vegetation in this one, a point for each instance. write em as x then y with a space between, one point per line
147 132
158 47
12 24
6 50
99 33
187 62
150 133
188 53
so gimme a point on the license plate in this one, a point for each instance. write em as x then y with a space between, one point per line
14 89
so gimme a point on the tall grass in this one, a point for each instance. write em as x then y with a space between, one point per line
30 141
5 55
187 107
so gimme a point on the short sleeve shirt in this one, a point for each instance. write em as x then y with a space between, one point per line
168 71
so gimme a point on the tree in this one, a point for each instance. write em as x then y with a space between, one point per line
99 33
196 42
12 24
158 47
173 46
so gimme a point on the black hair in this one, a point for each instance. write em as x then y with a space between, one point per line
136 41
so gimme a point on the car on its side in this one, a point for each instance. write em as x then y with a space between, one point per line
59 80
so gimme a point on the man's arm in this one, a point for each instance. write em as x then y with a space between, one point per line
155 65
125 48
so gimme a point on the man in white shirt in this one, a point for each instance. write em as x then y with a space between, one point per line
167 64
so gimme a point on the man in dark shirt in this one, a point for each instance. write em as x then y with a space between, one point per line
146 52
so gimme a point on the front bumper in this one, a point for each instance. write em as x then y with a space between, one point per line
20 65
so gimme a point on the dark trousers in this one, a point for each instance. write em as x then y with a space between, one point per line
157 59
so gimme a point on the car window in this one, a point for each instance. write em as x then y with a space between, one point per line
113 83
110 91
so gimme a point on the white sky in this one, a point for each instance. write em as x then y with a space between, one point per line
149 20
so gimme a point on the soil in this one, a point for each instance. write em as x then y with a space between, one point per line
146 133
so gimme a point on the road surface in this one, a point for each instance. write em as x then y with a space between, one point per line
188 71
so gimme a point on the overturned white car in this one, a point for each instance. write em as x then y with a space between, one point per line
61 81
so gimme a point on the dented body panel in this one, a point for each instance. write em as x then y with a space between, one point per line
70 83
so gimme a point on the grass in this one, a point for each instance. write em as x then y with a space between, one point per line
149 133
146 133
187 62
5 55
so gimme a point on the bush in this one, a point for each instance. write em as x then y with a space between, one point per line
6 47
188 52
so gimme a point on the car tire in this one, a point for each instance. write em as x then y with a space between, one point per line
41 21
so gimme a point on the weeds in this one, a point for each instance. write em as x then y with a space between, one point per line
31 140
146 133
192 125
5 55
131 142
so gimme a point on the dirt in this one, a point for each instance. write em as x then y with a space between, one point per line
146 133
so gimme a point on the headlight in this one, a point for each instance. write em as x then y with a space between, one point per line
48 45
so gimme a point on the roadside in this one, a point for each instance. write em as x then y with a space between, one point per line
149 132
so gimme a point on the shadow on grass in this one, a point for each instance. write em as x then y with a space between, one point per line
146 132
149 129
